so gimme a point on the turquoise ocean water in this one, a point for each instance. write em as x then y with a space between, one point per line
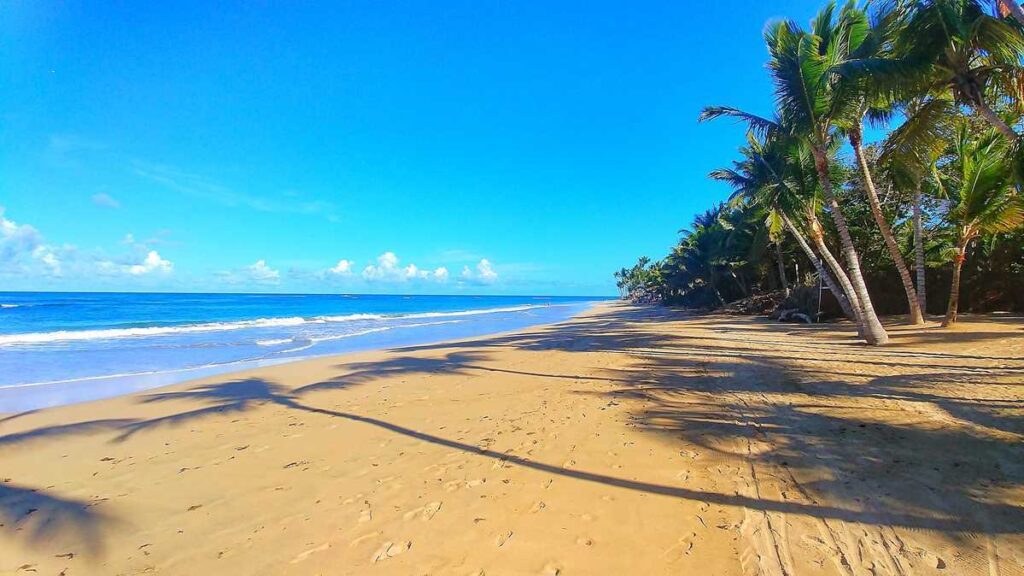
59 348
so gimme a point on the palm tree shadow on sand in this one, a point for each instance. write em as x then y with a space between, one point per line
36 516
862 467
807 441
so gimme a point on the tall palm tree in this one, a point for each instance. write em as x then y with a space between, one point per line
910 155
982 198
802 65
872 39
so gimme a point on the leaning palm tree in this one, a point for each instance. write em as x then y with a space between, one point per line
871 38
769 177
802 65
982 199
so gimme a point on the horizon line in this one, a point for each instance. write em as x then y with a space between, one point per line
301 293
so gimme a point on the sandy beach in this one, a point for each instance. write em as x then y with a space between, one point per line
625 441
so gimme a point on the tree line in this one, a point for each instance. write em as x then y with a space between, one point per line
939 199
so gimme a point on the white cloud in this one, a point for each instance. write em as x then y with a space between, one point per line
256 273
388 269
484 273
152 263
105 200
260 272
412 272
342 268
49 258
22 249
16 239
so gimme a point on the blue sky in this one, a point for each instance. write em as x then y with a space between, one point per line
497 147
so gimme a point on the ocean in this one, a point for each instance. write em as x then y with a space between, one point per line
61 348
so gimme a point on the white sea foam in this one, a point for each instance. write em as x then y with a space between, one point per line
476 312
349 318
111 333
73 335
274 342
317 340
10 305
307 344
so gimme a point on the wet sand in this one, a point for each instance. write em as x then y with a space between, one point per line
626 441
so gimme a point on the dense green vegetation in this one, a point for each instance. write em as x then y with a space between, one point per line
929 219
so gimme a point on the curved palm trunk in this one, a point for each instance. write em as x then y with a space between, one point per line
890 241
838 292
782 268
856 312
992 118
919 252
954 291
874 333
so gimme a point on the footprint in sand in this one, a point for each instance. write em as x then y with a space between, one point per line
689 454
682 547
423 512
366 515
310 552
357 541
503 538
390 550
537 507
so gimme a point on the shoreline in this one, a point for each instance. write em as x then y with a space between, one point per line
19 397
624 440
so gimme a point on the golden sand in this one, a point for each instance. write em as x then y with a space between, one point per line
626 441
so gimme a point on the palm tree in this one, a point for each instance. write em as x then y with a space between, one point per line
701 248
769 176
951 47
872 40
982 200
802 66
910 155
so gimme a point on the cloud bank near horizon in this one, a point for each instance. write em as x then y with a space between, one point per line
25 253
